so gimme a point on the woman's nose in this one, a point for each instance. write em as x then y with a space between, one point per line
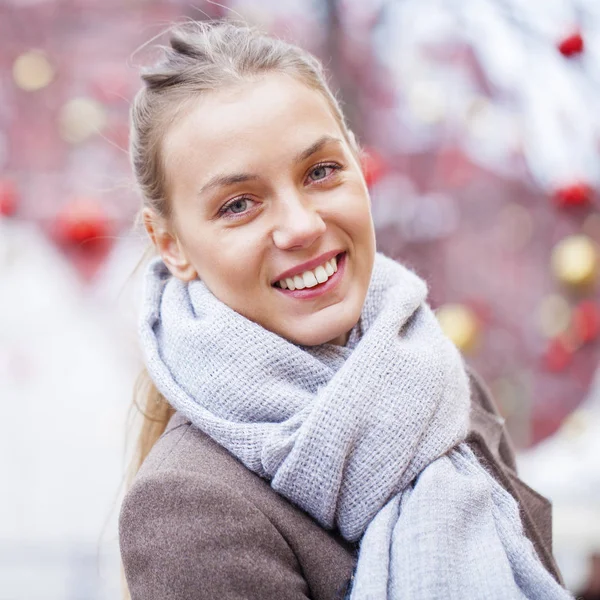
299 224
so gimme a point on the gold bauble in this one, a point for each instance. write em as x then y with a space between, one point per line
32 71
81 118
460 324
575 261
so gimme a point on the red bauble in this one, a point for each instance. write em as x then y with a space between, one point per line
586 321
571 45
557 356
81 222
575 194
373 166
84 232
8 198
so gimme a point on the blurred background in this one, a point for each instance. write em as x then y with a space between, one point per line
481 124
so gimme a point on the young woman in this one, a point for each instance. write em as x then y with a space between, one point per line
324 438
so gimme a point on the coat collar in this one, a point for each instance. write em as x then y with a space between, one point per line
486 421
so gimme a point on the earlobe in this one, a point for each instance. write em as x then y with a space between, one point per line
168 246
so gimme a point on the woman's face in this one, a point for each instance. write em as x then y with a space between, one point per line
264 188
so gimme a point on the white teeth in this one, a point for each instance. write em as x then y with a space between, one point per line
309 279
321 274
299 282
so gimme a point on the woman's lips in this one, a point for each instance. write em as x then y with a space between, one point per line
321 288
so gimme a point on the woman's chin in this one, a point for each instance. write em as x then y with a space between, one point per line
316 334
330 325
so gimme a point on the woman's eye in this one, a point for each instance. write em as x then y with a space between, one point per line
321 172
236 207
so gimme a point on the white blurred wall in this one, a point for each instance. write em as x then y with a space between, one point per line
68 358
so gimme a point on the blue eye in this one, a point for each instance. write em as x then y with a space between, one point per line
318 173
237 206
321 172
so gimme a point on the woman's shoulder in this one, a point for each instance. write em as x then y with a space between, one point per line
184 532
184 449
192 499
184 461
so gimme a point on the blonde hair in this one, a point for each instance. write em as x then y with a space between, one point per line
201 57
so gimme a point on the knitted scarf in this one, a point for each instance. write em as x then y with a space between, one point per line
366 438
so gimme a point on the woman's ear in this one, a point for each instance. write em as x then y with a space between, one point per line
168 246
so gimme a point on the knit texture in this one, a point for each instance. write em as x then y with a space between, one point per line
366 437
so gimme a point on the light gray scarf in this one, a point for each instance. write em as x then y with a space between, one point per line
365 438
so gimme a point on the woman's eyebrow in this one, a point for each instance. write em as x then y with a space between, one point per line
233 178
225 180
318 145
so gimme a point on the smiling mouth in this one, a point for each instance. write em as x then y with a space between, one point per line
313 278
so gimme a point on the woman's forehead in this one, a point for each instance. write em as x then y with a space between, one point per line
273 115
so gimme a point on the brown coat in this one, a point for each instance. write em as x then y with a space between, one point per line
198 524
